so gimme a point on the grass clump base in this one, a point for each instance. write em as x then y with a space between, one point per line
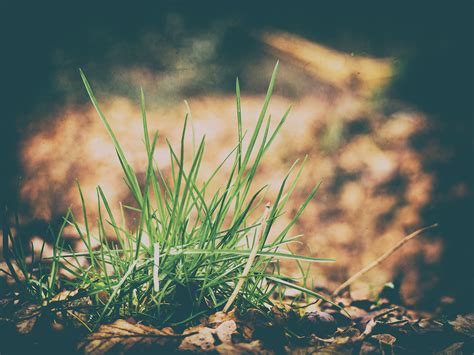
192 253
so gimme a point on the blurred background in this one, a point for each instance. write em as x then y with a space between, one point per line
382 104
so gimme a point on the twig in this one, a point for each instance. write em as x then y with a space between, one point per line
253 254
396 322
307 305
385 312
375 263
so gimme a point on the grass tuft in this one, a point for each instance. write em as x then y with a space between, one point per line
204 251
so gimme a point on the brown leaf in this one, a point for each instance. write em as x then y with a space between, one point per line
125 335
202 341
341 340
251 322
26 326
385 338
368 348
64 295
352 332
255 347
201 337
456 348
424 326
355 312
221 317
369 328
464 324
225 330
26 318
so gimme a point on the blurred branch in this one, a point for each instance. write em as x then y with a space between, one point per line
344 70
377 262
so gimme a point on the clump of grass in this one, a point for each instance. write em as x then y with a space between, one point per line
205 252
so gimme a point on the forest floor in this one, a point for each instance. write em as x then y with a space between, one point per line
347 326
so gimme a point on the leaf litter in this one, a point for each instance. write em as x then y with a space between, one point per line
347 326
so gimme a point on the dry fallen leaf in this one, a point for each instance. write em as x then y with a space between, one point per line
26 318
255 347
202 341
225 330
203 338
64 295
355 312
385 338
368 348
125 336
221 317
456 348
369 328
464 324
